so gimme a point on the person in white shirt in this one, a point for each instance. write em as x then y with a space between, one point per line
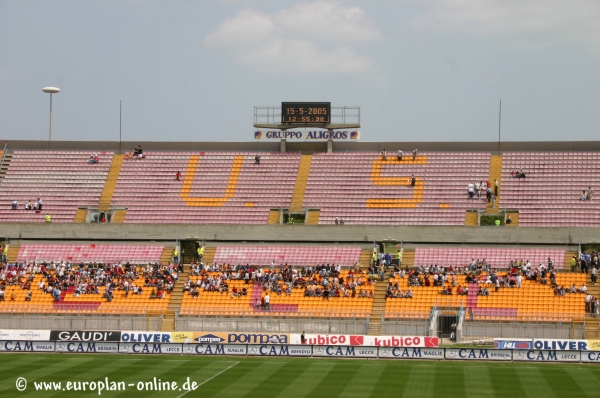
519 280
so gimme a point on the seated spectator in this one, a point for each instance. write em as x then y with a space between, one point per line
15 205
384 155
93 159
28 295
178 176
2 294
583 196
138 152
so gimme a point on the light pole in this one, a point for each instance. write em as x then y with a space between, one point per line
51 90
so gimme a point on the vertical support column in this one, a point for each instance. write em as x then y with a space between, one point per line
282 146
330 146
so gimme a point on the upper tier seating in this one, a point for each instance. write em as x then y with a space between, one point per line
215 187
498 258
550 193
90 253
360 188
64 180
297 256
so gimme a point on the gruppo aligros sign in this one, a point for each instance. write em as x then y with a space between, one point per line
308 135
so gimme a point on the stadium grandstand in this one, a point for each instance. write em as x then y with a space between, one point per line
328 237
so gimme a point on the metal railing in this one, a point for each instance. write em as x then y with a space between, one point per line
3 155
77 308
280 313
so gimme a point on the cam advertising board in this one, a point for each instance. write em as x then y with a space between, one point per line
87 347
33 346
83 335
365 341
476 354
546 356
150 348
215 349
590 356
280 350
345 351
566 345
411 353
31 335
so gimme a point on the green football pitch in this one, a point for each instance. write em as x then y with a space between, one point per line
286 377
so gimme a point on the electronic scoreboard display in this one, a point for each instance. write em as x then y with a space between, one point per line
306 112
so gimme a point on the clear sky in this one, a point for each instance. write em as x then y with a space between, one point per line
421 70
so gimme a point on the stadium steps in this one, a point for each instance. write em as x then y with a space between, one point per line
111 182
408 258
495 173
273 217
471 219
80 216
5 163
568 257
167 255
118 216
176 300
378 307
312 217
168 322
13 252
365 258
209 255
514 216
301 181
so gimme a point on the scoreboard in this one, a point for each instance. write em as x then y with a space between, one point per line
306 112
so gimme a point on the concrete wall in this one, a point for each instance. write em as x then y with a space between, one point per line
299 233
271 325
405 328
79 322
482 330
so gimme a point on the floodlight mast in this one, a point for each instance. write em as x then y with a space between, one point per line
51 90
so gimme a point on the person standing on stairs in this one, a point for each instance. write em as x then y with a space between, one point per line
495 187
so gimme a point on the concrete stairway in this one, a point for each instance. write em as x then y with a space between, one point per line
13 252
209 254
111 182
4 165
80 216
365 258
568 257
312 217
273 217
495 173
175 301
408 258
378 307
301 181
167 255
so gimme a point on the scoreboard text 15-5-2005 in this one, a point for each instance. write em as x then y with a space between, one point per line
306 112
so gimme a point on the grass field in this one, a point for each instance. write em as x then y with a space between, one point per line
290 377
